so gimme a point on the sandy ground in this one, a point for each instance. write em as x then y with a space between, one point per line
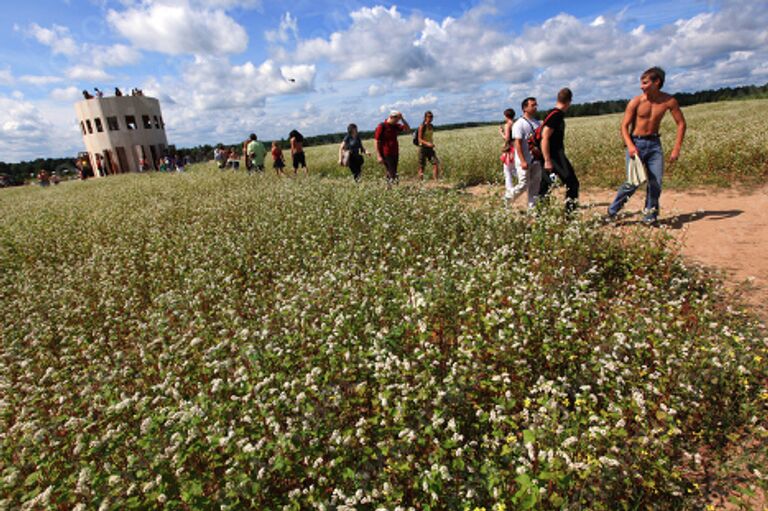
723 229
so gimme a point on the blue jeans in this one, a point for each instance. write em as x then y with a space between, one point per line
652 156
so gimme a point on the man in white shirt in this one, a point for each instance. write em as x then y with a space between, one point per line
528 165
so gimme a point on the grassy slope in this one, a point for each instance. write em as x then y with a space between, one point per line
725 144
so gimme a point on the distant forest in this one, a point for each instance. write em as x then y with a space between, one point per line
17 173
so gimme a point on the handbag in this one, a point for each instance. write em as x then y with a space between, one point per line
344 158
636 173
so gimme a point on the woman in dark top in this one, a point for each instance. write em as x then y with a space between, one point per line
351 151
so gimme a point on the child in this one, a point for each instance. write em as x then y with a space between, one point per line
277 158
233 161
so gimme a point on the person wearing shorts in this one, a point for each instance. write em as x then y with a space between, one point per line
387 148
427 147
297 152
277 158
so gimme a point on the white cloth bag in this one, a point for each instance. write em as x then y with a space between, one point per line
636 173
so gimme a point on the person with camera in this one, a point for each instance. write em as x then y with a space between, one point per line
527 158
387 147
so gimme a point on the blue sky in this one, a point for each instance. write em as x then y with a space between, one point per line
225 68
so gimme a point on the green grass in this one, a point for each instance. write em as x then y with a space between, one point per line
214 340
725 145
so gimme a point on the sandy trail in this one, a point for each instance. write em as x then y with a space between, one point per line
724 229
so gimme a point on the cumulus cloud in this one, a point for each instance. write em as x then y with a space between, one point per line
386 37
6 77
214 83
22 128
56 37
67 94
88 73
426 100
289 28
117 55
40 80
177 29
454 53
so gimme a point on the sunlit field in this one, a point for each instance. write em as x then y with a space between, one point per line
726 144
217 340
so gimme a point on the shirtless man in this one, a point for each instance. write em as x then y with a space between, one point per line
640 131
297 152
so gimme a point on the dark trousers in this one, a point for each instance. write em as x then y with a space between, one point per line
390 164
564 171
356 165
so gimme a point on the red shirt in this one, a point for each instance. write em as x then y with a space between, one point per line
386 134
277 153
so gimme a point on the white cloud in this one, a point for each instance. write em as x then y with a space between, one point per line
68 94
40 80
426 100
56 37
6 76
289 28
178 29
376 90
22 128
211 83
453 54
88 73
117 55
379 43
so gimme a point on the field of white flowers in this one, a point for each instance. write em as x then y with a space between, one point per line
213 340
725 144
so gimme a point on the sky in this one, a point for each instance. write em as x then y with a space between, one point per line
225 68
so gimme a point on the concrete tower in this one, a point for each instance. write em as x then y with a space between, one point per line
121 132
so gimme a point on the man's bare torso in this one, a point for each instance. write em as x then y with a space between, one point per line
649 113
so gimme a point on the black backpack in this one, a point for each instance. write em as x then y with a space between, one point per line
416 135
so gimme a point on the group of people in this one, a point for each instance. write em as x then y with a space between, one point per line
98 93
255 155
534 152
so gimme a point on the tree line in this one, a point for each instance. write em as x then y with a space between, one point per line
18 173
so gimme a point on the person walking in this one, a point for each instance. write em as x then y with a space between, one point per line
553 150
255 153
387 148
278 163
425 138
297 152
527 165
507 154
640 132
352 150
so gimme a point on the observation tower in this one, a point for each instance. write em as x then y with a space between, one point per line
122 133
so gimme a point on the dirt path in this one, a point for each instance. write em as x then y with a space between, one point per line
722 229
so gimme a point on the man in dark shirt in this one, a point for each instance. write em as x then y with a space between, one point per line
387 148
553 149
